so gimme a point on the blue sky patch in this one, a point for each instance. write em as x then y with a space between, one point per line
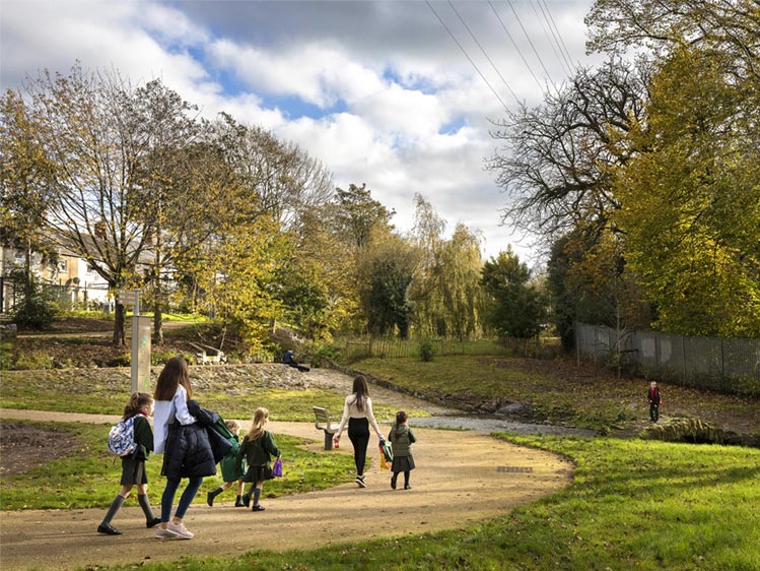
296 108
452 126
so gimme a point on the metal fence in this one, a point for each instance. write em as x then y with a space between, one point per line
727 365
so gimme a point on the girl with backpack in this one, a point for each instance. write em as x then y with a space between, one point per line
140 406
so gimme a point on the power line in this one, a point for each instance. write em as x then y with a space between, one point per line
527 36
553 26
504 81
511 39
483 77
548 37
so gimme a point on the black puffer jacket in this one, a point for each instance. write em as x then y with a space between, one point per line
193 450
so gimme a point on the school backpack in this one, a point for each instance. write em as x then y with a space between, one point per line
121 438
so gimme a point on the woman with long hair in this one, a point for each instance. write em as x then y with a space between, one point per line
357 412
184 444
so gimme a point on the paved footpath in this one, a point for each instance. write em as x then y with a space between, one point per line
461 478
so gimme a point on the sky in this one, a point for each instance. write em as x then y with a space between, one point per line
398 95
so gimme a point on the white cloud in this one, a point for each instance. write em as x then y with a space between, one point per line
378 91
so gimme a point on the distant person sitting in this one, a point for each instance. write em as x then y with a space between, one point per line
290 360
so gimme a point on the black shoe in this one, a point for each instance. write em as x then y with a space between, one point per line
153 522
246 500
258 508
393 481
108 529
407 487
210 498
239 503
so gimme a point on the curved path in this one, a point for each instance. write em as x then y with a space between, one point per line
461 478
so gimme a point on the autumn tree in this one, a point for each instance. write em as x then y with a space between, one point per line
25 181
458 278
318 282
238 278
692 202
355 215
691 193
427 236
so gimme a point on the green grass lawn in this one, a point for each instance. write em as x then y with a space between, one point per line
105 391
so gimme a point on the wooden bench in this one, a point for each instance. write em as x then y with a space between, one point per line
323 423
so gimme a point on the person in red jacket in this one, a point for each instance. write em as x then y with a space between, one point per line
655 400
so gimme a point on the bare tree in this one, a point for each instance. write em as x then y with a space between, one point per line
554 165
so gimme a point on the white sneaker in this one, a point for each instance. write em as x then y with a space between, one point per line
164 533
179 530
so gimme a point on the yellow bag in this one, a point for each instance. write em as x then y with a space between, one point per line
384 464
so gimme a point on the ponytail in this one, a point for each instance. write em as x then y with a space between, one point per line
136 402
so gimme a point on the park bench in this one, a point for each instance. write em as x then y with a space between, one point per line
323 423
202 357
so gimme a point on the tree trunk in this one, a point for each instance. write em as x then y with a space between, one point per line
119 335
158 327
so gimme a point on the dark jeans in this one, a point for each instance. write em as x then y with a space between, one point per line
358 434
167 499
654 412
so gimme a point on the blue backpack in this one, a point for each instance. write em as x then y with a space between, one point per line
121 438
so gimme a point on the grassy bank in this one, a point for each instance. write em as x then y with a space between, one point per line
105 391
560 391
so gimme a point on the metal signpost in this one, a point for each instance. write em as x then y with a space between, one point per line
140 342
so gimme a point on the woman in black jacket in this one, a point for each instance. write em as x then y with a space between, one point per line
182 433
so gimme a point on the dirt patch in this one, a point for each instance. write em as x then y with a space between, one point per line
23 446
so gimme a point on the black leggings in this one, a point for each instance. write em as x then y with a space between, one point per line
358 434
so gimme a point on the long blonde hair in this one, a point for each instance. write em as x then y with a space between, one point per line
260 419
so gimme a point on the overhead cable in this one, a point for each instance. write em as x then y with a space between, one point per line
483 77
527 36
552 44
517 48
560 42
504 81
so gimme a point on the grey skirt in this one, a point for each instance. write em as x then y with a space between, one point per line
402 464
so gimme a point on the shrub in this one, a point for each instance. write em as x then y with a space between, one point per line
426 350
34 313
320 353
